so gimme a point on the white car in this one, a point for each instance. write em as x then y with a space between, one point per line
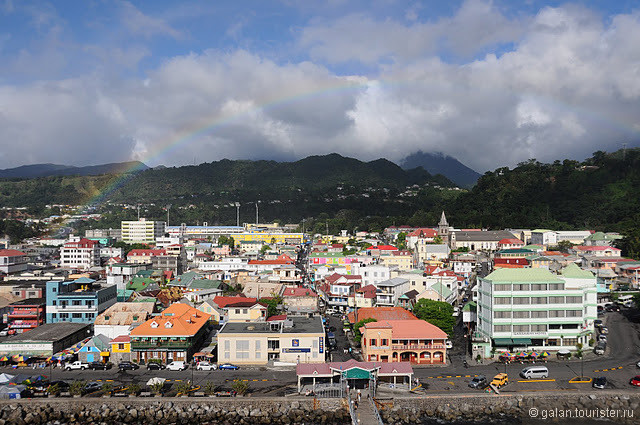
206 366
178 365
602 338
448 344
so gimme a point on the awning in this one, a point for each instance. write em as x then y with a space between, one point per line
512 341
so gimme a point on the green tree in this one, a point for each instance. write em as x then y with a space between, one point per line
630 243
437 313
224 240
401 240
272 305
357 336
241 387
264 249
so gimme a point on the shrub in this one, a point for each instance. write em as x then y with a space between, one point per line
134 389
107 388
210 388
241 387
54 389
184 387
77 387
157 388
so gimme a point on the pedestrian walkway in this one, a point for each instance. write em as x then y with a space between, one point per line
365 414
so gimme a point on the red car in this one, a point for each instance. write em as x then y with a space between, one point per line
635 381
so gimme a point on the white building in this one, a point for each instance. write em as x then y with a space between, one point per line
120 274
371 274
524 309
226 264
82 254
142 231
12 261
390 290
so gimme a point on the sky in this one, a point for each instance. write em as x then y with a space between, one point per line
491 83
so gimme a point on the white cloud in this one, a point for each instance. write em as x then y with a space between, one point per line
147 26
568 87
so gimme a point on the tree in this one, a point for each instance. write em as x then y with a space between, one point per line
272 305
437 313
241 387
437 240
630 243
357 336
224 240
401 240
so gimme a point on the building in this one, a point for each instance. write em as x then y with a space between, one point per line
338 288
510 244
402 260
120 348
244 311
203 232
429 235
46 340
443 229
121 318
82 254
415 341
144 256
300 300
27 314
537 309
428 253
13 261
380 314
120 274
35 289
142 231
390 290
479 240
174 335
597 251
293 341
97 349
371 274
78 301
602 239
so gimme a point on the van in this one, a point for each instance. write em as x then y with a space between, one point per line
177 365
534 372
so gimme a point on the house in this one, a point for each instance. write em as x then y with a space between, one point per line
268 265
370 274
438 292
338 288
512 263
245 311
510 243
143 256
380 314
415 341
175 334
543 237
210 308
602 239
79 301
259 289
463 264
300 300
293 341
120 348
598 251
97 349
425 234
121 318
13 261
364 297
479 240
390 290
402 260
408 300
120 273
429 252
26 314
82 254
469 316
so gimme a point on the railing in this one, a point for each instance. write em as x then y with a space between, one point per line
376 413
352 410
161 344
418 347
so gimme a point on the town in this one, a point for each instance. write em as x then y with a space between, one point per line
267 309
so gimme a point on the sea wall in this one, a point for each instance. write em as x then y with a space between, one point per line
233 411
531 408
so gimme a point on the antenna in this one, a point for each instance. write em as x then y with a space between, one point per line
138 212
624 151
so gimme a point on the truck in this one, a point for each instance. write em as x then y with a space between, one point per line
77 365
500 380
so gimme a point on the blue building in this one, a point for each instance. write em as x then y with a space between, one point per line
78 301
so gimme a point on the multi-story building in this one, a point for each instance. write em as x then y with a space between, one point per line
12 261
120 318
82 254
143 256
204 231
79 301
142 231
120 274
390 290
537 309
478 240
372 273
294 340
27 314
174 335
403 260
413 340
338 288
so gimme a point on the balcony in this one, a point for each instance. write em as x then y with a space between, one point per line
161 345
79 308
418 347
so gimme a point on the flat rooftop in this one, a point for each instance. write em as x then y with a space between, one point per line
49 332
301 325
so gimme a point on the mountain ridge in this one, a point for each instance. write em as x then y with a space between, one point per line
48 169
439 163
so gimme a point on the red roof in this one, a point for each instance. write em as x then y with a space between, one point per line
146 252
277 318
512 261
224 301
596 248
424 233
270 262
82 243
11 253
337 245
298 292
510 241
382 313
368 291
122 339
409 329
384 248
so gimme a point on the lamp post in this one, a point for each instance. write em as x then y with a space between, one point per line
238 214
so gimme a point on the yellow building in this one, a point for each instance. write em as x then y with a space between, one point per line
269 237
208 307
120 349
245 311
402 259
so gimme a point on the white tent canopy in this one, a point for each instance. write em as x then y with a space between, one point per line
5 377
155 380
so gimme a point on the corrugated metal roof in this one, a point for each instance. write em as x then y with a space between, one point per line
523 275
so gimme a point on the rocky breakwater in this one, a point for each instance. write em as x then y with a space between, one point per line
148 412
509 409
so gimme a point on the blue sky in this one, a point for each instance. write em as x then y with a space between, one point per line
489 82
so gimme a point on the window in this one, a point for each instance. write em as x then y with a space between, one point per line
237 311
556 313
77 302
521 328
502 300
574 300
54 315
242 349
538 300
372 342
502 328
538 328
54 302
384 342
574 313
538 314
77 315
556 300
120 346
258 348
501 314
556 286
521 300
502 287
520 314
245 311
555 327
520 286
539 287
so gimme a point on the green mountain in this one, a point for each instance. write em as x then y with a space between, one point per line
439 163
44 170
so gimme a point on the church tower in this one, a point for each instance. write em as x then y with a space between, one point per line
443 229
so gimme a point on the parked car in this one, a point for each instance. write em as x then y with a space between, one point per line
228 366
77 365
635 381
597 323
479 381
600 348
128 366
602 338
92 387
100 365
604 330
206 366
177 365
535 372
638 365
155 366
600 382
448 344
500 380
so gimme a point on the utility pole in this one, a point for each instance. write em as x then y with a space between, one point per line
327 223
138 212
257 202
238 214
168 209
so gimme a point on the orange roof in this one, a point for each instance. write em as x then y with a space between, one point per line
424 232
146 252
177 320
11 253
223 301
510 241
409 329
382 313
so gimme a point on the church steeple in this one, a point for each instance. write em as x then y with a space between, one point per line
443 229
443 220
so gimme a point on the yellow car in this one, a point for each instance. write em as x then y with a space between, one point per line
500 380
